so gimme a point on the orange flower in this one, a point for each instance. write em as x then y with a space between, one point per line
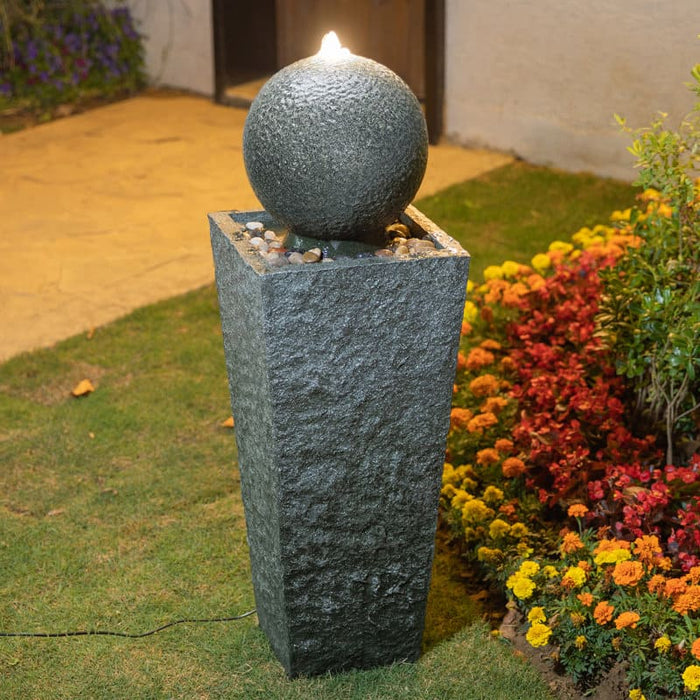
693 576
577 510
466 328
487 456
695 649
688 601
504 445
512 294
479 423
656 584
674 587
489 344
626 619
571 543
586 599
628 573
513 467
585 566
485 385
647 549
479 358
508 364
494 404
610 546
461 361
460 417
603 612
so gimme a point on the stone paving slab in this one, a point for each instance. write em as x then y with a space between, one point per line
105 211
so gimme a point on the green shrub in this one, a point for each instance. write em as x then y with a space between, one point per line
650 312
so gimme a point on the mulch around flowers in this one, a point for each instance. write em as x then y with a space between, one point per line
612 686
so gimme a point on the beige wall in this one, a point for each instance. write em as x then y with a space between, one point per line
542 78
179 44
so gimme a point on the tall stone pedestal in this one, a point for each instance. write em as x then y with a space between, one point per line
341 378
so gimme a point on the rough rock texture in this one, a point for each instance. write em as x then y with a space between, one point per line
335 149
341 382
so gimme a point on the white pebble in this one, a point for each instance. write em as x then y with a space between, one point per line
296 258
259 244
312 256
254 226
270 235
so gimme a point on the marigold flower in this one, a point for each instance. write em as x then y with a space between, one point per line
585 566
487 456
550 571
647 549
466 328
603 612
574 577
512 294
662 644
490 344
529 568
693 576
479 358
493 272
470 312
688 601
510 268
535 281
577 619
519 530
485 385
537 614
586 599
460 498
656 584
626 619
538 635
674 587
508 364
628 573
513 467
481 422
492 495
637 694
571 543
691 677
611 552
577 510
580 642
498 528
695 648
459 418
522 586
541 262
618 215
503 445
489 555
476 511
494 404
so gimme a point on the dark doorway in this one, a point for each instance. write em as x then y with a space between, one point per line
255 38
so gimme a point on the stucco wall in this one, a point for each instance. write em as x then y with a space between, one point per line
178 42
543 78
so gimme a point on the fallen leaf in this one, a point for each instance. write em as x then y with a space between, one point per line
228 423
83 388
56 511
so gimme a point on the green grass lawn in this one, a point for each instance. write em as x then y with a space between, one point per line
122 510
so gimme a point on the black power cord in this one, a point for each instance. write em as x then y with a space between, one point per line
107 633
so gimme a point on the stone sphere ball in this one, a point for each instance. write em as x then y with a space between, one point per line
335 149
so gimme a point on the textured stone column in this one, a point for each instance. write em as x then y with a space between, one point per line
341 378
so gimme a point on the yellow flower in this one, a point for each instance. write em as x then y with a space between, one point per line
580 642
498 528
560 246
541 262
637 694
662 644
470 286
691 677
577 619
493 272
574 577
522 586
470 312
550 571
529 568
519 530
618 215
510 268
536 615
489 555
476 511
538 635
593 241
492 495
665 210
612 556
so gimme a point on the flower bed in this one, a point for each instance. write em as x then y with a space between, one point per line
592 535
58 52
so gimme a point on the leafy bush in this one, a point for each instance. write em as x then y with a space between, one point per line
56 52
650 312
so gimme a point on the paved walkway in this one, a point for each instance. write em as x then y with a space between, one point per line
105 211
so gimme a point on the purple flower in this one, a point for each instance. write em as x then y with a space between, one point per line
5 89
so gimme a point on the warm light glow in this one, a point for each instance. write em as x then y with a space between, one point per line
331 48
